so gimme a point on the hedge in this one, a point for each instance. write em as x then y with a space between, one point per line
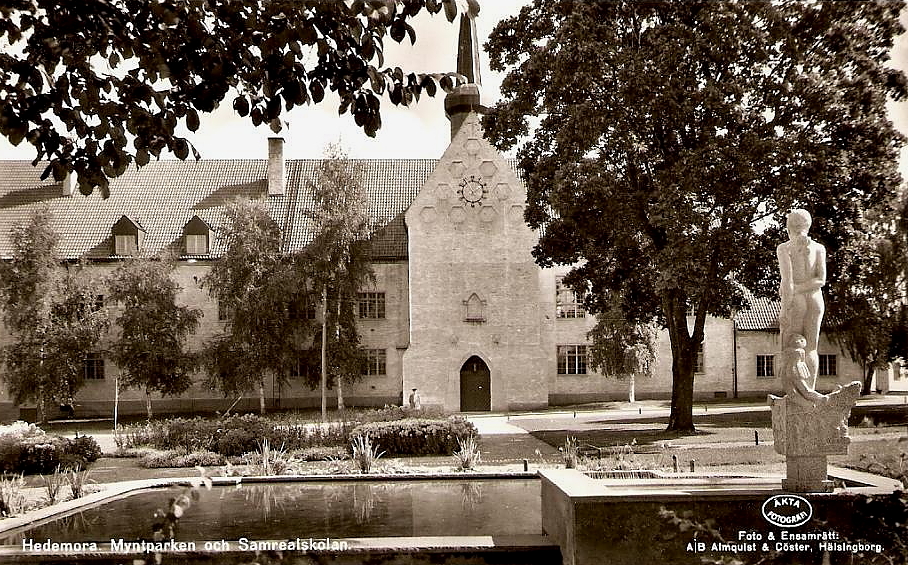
26 448
414 436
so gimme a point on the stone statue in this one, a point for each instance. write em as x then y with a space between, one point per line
807 425
802 265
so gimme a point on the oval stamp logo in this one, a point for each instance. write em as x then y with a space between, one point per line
787 510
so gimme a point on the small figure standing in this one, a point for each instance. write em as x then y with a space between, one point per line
414 400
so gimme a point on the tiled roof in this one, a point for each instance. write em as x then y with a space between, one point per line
164 195
762 314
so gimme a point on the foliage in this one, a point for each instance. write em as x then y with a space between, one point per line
867 305
673 137
52 313
151 347
98 86
260 290
25 448
12 494
53 482
340 255
322 453
571 452
268 461
417 436
78 479
232 436
181 458
365 454
468 456
620 348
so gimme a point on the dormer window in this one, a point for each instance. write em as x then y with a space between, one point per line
196 237
128 235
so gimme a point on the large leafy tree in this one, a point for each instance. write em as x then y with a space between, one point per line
867 312
97 85
672 137
259 289
151 349
51 314
341 261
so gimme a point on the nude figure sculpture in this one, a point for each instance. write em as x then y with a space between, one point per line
802 265
807 425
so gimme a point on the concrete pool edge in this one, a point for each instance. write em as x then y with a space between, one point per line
113 491
521 544
575 506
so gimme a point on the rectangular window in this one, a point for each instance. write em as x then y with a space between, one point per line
371 305
301 311
827 366
223 311
699 363
571 359
125 244
377 362
196 244
765 367
567 304
94 367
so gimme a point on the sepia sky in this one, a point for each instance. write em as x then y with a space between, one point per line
420 131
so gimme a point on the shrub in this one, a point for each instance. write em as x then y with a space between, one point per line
364 453
322 453
417 436
181 458
85 448
236 442
469 456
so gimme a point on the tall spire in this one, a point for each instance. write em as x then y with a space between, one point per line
465 97
468 50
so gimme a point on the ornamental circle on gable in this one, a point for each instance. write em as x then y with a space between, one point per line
502 191
472 146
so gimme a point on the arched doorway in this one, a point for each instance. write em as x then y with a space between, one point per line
475 386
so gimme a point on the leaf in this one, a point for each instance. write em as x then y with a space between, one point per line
317 90
180 148
450 9
241 105
192 120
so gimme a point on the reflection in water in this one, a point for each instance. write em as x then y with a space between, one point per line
470 495
266 498
355 508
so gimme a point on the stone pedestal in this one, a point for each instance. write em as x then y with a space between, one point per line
806 433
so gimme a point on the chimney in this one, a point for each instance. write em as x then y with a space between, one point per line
69 184
277 175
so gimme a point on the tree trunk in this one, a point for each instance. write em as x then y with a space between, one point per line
262 397
148 405
684 350
868 380
682 413
116 400
41 406
324 383
631 395
340 378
